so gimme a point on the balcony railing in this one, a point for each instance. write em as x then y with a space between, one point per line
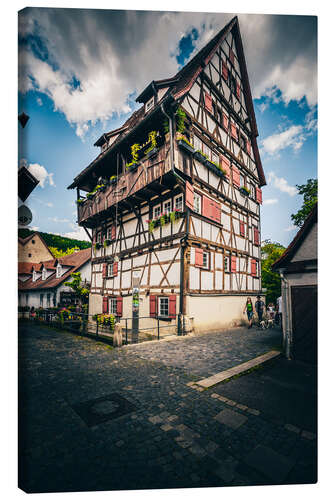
133 180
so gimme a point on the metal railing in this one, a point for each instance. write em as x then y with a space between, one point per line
87 325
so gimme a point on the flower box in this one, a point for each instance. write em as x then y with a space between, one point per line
90 196
185 145
199 156
152 152
244 191
131 167
113 180
80 201
216 169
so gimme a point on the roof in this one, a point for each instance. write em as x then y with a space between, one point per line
290 251
25 267
75 261
179 85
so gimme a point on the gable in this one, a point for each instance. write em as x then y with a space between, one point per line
33 250
308 248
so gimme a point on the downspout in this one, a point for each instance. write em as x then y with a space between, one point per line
286 316
172 153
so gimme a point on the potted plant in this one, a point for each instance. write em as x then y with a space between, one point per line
106 242
113 179
183 143
80 201
199 155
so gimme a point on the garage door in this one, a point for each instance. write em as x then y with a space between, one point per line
304 311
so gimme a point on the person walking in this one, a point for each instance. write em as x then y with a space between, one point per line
271 311
259 307
249 310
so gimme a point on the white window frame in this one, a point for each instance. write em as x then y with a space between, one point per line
99 237
110 271
109 233
113 305
226 264
206 257
150 104
58 272
165 300
169 204
241 180
206 150
44 274
178 205
197 203
215 158
252 191
157 211
197 143
34 275
41 299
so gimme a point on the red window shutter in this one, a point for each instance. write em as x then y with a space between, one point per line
208 102
224 71
217 212
105 305
189 195
255 236
225 164
248 147
225 121
231 55
152 306
115 268
253 267
258 195
238 90
235 176
119 306
113 232
242 229
199 257
172 306
233 263
205 206
104 270
234 133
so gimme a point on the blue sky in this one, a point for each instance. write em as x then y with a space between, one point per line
74 86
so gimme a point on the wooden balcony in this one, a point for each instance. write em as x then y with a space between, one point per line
134 184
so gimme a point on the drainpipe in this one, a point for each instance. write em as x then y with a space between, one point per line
172 153
286 315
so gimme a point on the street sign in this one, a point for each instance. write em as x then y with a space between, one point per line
24 215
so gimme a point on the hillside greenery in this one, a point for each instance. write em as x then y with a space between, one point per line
58 245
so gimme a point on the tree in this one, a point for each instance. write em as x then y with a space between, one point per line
58 253
77 286
310 198
270 252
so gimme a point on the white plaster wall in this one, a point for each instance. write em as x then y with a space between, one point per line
206 280
308 249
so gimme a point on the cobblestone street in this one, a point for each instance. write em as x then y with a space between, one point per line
97 418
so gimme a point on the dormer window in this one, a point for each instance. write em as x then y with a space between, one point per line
34 275
59 270
44 274
149 104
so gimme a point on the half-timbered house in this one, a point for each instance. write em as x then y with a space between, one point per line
172 201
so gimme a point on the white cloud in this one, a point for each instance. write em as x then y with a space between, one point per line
78 234
290 228
56 219
39 101
311 122
291 137
281 184
270 201
45 203
41 174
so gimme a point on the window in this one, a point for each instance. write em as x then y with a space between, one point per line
34 275
226 264
197 143
252 191
232 84
206 150
48 300
215 158
113 305
58 270
167 207
110 269
179 202
99 237
29 254
44 274
33 242
197 203
163 306
149 104
41 299
157 211
205 260
242 142
27 299
241 180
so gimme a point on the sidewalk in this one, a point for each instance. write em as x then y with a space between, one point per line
96 418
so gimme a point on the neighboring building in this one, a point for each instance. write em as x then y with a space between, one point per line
42 284
201 259
33 249
298 267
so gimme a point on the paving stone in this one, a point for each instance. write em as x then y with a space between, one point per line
166 427
155 420
268 462
253 411
231 418
230 402
292 428
241 407
198 451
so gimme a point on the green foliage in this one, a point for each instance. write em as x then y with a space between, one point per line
76 285
271 280
134 152
108 320
180 120
56 241
61 253
310 198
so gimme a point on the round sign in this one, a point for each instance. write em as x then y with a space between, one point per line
24 215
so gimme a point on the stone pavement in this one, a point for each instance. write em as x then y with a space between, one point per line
97 418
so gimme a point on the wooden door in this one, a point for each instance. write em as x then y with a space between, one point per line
304 320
